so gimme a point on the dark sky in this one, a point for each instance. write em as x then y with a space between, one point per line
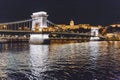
62 11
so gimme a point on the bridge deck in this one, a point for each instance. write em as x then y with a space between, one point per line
76 34
21 32
14 32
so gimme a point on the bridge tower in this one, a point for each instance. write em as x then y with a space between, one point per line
94 32
39 22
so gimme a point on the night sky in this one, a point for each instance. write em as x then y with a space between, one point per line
95 12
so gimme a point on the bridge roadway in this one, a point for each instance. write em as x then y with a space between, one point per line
17 32
63 36
76 34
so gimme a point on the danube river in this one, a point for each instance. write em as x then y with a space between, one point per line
74 61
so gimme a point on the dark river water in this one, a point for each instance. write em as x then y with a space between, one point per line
74 61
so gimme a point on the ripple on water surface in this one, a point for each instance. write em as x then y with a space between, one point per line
74 61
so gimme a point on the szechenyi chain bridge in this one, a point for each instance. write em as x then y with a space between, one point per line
39 29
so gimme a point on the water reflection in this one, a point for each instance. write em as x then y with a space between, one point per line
12 57
74 61
87 61
38 60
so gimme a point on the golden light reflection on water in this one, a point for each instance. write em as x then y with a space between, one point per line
39 61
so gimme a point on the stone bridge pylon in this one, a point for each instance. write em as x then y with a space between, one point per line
39 22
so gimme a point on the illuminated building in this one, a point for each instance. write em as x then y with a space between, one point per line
71 23
114 25
113 32
73 26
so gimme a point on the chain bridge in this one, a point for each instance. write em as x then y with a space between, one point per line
35 30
